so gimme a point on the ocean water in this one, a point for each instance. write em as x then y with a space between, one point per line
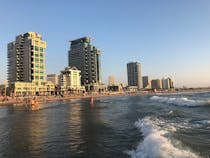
142 126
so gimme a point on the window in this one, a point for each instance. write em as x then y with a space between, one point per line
36 60
36 48
36 54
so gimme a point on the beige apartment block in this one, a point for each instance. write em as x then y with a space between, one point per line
24 89
70 79
26 61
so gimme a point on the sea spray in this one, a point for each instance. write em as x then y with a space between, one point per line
157 143
181 101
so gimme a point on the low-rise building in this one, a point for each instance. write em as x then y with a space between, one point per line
70 79
53 78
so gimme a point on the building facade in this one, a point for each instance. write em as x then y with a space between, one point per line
156 84
70 79
86 58
111 80
26 60
52 78
146 82
167 83
134 74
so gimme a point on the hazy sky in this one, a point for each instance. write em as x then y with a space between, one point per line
168 37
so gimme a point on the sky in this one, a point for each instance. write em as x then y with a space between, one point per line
170 38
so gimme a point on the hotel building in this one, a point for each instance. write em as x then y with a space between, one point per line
87 58
26 63
134 74
70 79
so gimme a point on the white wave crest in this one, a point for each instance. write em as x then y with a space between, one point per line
179 101
156 143
205 122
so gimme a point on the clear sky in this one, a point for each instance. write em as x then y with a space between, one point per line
168 37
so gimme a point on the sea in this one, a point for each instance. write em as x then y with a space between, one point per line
138 126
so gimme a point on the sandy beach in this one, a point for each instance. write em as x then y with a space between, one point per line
8 101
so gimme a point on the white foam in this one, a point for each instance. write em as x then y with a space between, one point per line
205 122
182 101
156 144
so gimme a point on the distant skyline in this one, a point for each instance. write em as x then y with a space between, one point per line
168 38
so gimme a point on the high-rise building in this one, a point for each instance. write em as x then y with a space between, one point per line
85 57
26 61
146 82
111 80
134 74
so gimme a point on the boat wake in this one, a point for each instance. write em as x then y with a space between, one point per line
158 142
182 101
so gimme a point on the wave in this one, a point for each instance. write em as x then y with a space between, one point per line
156 142
183 101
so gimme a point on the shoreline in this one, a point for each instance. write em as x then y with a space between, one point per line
22 100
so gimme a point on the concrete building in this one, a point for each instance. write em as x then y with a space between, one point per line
86 57
156 84
111 80
70 79
146 82
167 83
52 78
26 61
134 74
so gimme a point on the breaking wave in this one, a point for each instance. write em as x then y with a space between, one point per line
157 142
183 101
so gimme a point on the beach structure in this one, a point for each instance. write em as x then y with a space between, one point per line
134 74
87 58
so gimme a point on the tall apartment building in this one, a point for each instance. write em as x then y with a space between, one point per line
26 59
134 74
87 58
146 82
